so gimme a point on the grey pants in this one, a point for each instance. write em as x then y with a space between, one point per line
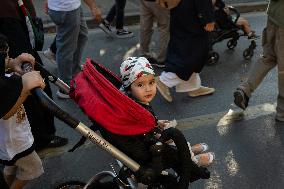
71 38
150 11
273 55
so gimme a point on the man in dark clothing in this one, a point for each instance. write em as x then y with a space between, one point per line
13 25
188 48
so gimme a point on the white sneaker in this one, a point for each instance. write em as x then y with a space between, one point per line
62 95
50 55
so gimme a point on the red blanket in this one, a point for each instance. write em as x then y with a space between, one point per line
109 107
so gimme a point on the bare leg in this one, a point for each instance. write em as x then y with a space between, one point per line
242 22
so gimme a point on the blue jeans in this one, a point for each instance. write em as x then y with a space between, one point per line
71 38
117 12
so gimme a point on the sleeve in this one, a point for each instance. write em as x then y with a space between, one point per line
205 11
10 88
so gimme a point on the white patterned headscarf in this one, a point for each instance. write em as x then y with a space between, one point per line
133 68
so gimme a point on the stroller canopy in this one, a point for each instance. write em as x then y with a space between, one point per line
96 91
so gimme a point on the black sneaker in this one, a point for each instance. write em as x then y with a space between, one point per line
241 99
106 27
123 34
154 62
159 64
57 141
252 35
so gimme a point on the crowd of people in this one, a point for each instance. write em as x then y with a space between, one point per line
183 52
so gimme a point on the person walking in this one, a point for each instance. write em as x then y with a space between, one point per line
149 12
116 13
72 35
273 48
188 48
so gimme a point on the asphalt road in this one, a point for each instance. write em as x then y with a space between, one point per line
248 146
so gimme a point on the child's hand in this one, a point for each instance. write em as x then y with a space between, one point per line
209 27
163 123
32 80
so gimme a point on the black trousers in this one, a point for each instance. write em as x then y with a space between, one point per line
41 120
117 12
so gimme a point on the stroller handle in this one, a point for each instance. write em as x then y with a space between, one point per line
235 11
53 79
62 115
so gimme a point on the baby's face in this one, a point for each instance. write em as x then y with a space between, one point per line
144 89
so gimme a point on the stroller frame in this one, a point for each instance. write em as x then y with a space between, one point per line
233 35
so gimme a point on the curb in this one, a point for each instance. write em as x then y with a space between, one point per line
134 18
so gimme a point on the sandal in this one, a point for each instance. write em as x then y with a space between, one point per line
205 159
199 148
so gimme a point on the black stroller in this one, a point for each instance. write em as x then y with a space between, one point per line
91 89
226 28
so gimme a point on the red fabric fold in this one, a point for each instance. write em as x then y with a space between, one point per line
109 107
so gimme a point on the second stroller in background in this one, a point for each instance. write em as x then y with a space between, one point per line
230 25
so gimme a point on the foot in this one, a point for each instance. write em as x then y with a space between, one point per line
199 148
159 64
62 95
205 159
57 141
279 118
106 27
154 62
252 35
201 91
164 90
241 99
49 55
122 33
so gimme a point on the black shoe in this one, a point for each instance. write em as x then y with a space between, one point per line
57 141
106 27
154 62
123 34
159 64
241 99
252 35
279 119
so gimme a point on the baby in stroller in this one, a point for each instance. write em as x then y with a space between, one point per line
228 24
138 83
225 19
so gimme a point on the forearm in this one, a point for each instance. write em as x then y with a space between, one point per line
91 4
11 89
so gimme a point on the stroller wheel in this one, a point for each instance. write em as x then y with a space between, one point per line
213 58
232 43
72 184
248 53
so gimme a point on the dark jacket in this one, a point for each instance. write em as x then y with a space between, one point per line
189 43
